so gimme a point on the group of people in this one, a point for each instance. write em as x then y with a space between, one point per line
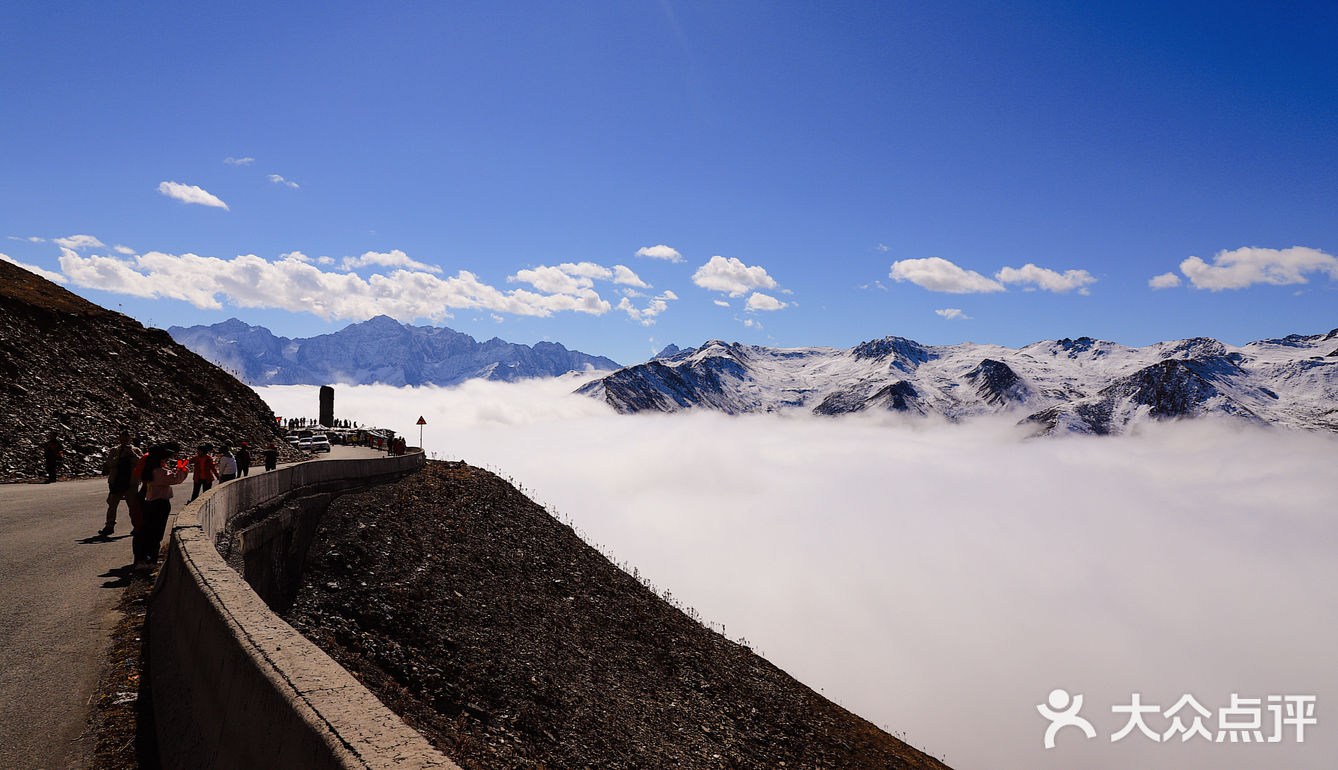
227 465
394 446
145 480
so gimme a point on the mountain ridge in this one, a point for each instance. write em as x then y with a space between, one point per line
378 350
1082 385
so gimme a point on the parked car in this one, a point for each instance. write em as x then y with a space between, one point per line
319 443
293 438
304 444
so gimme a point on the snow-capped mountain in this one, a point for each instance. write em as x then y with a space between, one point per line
378 350
1083 385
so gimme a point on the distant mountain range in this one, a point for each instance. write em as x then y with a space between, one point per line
380 350
1070 385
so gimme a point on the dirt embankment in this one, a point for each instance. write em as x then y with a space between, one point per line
70 366
494 630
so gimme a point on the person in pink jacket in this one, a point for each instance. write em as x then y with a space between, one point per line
159 477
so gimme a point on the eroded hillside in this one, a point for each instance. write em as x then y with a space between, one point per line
494 630
70 366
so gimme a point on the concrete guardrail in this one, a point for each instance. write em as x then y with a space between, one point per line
233 685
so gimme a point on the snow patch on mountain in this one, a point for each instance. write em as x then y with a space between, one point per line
1068 385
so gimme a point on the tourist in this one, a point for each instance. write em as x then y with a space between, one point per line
271 457
243 457
120 467
158 481
227 465
206 471
52 452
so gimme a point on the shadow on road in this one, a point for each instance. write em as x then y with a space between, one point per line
120 577
91 539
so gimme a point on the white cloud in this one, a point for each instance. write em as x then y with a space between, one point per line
953 313
1102 565
938 274
393 258
587 270
875 285
276 179
646 315
573 277
624 275
720 302
126 250
730 275
1164 281
191 194
239 161
297 255
659 252
47 274
882 247
79 242
1046 279
759 301
30 239
558 280
1248 266
291 284
325 260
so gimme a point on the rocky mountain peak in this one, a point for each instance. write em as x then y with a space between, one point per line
1193 348
906 350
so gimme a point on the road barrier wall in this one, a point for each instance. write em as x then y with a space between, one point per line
232 684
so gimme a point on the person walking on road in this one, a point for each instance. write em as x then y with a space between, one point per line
52 452
271 457
243 457
227 466
205 471
158 481
120 470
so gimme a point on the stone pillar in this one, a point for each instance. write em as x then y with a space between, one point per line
327 406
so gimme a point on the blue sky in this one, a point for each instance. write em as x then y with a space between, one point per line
819 174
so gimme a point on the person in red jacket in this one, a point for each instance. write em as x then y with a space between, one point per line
206 471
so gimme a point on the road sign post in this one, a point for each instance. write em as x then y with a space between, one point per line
421 423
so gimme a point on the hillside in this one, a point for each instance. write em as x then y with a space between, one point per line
381 350
495 631
1069 385
83 371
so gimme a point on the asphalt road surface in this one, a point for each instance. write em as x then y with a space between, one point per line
59 585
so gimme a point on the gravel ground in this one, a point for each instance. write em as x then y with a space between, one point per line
495 631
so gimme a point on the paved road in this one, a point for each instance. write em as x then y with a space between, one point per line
59 587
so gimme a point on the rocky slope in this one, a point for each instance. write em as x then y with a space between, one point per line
379 350
71 366
495 631
1083 385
